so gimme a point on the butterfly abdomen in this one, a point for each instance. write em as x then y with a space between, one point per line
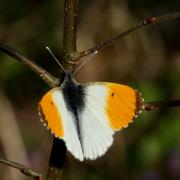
74 99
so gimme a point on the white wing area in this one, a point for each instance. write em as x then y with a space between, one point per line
70 133
95 132
97 136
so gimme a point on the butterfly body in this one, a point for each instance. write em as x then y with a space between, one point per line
86 116
73 95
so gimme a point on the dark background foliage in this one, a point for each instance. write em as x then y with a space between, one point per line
148 60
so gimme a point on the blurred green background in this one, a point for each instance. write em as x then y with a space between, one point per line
148 60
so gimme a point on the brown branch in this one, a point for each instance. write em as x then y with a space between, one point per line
57 159
58 152
25 170
148 21
70 29
47 77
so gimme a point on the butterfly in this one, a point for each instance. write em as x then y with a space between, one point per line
86 116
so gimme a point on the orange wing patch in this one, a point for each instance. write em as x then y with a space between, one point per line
51 115
123 104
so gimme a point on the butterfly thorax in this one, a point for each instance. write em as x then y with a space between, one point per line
73 95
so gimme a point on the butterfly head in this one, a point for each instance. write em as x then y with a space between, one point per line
69 79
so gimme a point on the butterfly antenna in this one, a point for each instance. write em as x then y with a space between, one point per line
56 59
85 61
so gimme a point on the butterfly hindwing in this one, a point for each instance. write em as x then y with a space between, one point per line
97 135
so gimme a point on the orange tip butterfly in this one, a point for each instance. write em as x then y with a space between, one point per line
86 116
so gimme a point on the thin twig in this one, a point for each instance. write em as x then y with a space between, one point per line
148 21
25 170
47 77
148 106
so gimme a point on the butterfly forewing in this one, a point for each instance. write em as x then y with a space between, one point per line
50 114
120 103
123 104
